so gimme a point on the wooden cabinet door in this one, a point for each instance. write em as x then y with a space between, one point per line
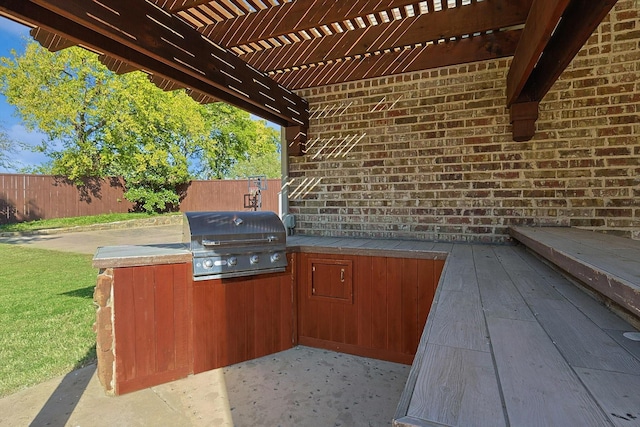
330 280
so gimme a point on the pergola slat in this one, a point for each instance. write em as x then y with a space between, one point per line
51 41
471 49
479 17
295 17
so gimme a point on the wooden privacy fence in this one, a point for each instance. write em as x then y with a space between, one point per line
226 195
31 197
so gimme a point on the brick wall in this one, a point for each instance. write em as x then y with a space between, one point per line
430 155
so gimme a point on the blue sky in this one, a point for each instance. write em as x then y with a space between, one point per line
14 36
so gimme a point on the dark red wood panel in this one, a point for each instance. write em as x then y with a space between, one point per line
379 331
409 311
152 325
183 297
364 300
164 302
394 304
337 322
144 318
124 325
203 337
289 298
267 309
216 323
391 300
351 313
240 319
323 320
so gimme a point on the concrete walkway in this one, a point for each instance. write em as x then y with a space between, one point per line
87 242
298 387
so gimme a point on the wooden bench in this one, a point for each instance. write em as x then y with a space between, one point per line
607 264
510 341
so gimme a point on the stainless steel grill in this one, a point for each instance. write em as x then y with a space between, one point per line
233 244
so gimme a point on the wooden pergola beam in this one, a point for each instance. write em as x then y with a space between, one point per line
578 23
554 33
153 40
474 18
542 20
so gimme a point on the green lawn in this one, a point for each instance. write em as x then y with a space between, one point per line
46 315
42 224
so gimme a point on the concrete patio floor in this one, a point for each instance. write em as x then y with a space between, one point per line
298 387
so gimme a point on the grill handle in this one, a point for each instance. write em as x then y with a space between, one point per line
268 239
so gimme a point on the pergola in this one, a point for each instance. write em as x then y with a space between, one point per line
255 53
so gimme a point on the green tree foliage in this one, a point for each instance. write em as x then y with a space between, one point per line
262 157
102 124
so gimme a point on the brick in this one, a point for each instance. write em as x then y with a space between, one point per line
445 150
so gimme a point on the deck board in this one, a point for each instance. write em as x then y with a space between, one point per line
545 336
607 264
529 282
615 393
539 386
460 319
597 312
459 322
633 347
581 341
500 298
458 387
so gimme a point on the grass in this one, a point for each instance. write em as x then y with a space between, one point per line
46 315
42 224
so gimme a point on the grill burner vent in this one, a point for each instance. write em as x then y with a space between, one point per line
233 244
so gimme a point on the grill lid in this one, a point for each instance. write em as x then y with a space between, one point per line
231 244
220 230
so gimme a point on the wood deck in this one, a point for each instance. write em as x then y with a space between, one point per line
607 264
510 341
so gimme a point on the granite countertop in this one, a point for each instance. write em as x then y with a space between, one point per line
171 253
138 255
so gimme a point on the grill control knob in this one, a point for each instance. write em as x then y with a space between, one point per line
232 260
207 263
254 259
275 257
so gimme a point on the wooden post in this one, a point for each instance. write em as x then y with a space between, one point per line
296 138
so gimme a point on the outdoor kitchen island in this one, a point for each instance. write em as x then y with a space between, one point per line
508 340
155 322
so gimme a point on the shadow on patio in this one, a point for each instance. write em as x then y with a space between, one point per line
301 386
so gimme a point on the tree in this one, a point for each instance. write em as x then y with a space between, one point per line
262 158
6 151
102 124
